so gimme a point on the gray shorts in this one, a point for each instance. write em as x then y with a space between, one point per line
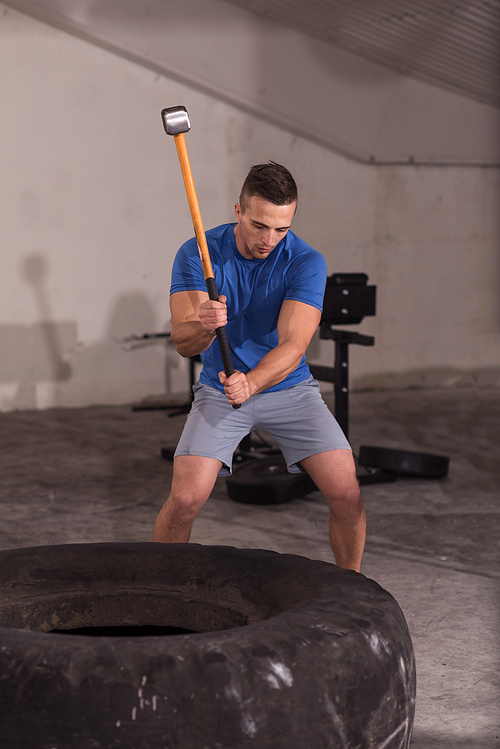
297 418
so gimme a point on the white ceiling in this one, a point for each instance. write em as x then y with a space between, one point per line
380 81
454 44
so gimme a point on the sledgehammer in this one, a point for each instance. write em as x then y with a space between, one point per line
176 122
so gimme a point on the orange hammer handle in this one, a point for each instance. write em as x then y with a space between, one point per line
180 143
194 207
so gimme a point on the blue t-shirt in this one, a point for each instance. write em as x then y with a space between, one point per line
255 291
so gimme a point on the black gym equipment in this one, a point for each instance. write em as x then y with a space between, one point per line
266 481
348 299
404 462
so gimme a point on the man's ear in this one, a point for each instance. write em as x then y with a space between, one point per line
237 212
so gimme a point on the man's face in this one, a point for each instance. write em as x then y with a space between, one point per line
261 227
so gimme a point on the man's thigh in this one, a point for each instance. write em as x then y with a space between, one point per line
301 422
213 428
194 476
333 472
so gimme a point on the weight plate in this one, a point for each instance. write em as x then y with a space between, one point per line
266 481
404 462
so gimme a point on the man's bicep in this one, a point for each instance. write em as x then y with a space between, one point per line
299 321
184 305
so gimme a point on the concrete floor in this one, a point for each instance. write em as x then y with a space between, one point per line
96 474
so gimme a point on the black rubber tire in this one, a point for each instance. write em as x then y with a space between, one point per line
266 481
404 462
288 653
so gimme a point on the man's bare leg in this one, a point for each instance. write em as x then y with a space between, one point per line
334 473
192 482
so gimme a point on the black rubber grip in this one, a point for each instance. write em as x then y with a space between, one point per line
213 294
221 335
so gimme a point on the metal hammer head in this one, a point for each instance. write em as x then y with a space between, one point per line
175 120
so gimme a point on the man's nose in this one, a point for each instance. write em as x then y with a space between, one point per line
268 238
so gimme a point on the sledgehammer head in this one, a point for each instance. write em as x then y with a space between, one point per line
175 120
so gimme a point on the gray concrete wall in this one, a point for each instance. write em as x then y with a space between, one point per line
92 210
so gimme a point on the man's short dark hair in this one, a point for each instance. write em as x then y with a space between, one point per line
271 182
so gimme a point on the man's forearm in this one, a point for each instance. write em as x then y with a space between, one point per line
296 325
274 366
190 338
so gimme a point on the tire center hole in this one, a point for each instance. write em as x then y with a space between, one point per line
126 630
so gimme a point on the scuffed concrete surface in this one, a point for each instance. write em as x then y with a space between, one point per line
96 474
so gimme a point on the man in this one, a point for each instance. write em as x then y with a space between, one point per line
271 286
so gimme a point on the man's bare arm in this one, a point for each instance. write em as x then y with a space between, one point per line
296 325
194 321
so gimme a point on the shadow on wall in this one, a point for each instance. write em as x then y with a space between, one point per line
121 373
32 356
44 364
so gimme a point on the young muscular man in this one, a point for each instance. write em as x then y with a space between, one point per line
271 286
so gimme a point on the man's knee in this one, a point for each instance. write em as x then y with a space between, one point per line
346 499
192 483
184 505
